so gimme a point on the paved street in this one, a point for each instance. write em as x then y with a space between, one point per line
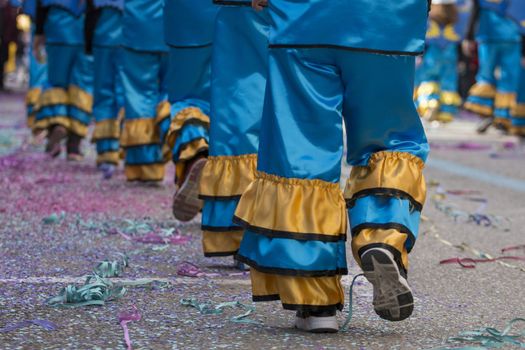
59 220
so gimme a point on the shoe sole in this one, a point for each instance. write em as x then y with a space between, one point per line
302 324
186 202
393 300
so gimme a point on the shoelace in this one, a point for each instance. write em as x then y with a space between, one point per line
345 326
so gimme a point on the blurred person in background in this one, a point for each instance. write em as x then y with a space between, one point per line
65 105
437 95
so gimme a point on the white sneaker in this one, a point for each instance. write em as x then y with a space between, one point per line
393 298
315 324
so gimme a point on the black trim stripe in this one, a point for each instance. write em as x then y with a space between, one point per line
218 254
386 226
347 48
232 3
263 298
290 272
190 121
396 253
289 235
383 191
158 52
221 229
184 47
314 308
219 198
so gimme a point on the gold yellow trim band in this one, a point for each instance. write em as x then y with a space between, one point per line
293 206
32 96
140 131
221 243
484 111
80 98
190 150
504 100
483 90
106 129
70 124
397 171
450 98
51 97
390 237
292 290
518 110
150 172
226 176
181 118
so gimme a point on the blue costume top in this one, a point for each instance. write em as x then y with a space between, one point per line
143 26
397 26
29 8
65 21
108 30
189 22
494 25
516 11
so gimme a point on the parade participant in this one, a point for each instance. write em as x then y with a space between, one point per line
144 78
437 95
65 105
328 62
498 41
103 31
238 88
185 129
37 69
516 11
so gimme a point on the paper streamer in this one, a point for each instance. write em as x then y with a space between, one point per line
126 317
490 338
188 269
47 325
345 326
154 238
209 309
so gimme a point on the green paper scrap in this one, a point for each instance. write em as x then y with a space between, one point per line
54 218
489 338
97 288
209 309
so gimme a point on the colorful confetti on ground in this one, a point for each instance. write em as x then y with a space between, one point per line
69 236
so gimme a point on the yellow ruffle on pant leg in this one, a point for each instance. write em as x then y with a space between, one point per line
302 208
391 174
227 176
298 293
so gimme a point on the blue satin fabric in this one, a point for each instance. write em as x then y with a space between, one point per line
311 90
371 211
180 15
498 6
68 66
238 80
219 214
118 4
37 74
495 27
29 8
143 25
62 27
143 155
108 96
292 254
144 89
506 56
395 26
516 11
108 31
440 66
75 7
520 122
107 145
189 86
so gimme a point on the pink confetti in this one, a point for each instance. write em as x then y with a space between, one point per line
126 317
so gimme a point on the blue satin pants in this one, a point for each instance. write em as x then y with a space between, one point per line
491 95
518 111
438 82
237 95
67 98
294 212
37 82
144 78
108 102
